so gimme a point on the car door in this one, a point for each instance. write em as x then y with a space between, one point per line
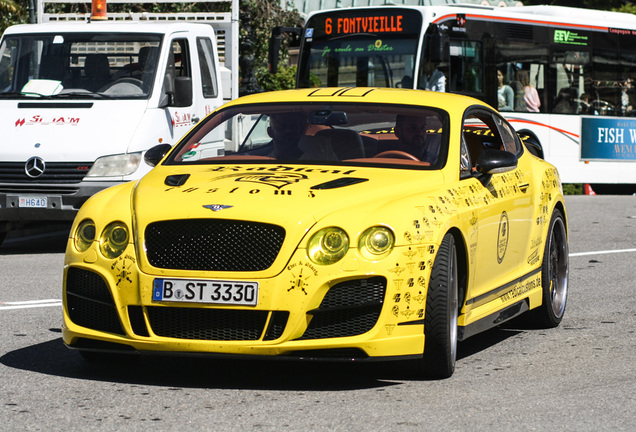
500 241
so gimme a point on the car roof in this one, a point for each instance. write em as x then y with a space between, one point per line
446 101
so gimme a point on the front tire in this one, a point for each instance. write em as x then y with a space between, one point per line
440 321
554 274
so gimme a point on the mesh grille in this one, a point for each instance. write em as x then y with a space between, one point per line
90 303
207 324
213 244
348 309
54 172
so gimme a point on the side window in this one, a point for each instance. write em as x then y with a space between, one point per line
178 73
482 130
205 52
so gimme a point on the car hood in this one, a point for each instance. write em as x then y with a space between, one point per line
295 197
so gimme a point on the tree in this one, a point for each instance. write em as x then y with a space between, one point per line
11 12
264 16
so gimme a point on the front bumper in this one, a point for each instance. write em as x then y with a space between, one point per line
62 201
363 311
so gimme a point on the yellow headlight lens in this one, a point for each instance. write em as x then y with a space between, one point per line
328 246
114 240
376 242
85 235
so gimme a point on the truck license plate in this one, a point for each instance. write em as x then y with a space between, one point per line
32 202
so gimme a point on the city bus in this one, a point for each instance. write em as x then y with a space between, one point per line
569 71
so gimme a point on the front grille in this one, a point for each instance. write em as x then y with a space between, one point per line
54 172
90 303
207 324
348 309
213 244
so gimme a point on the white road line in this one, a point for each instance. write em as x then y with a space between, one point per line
56 303
602 252
30 304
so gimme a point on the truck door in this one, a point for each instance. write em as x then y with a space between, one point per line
190 85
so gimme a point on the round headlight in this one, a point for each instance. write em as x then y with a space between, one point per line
376 242
328 246
114 240
85 235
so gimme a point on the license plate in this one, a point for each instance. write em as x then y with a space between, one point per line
32 202
206 291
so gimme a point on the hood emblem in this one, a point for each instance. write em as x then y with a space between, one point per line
217 207
34 167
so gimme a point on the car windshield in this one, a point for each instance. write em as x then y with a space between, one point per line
78 65
347 134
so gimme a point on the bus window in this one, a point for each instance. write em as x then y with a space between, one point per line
570 71
466 70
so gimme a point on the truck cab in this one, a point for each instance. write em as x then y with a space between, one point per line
82 101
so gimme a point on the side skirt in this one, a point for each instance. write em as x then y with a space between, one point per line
493 320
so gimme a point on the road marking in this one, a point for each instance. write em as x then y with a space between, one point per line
30 304
602 252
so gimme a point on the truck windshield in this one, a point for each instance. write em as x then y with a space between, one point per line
360 48
78 65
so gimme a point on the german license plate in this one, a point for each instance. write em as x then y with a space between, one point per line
32 202
205 291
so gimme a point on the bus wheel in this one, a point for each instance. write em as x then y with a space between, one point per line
440 321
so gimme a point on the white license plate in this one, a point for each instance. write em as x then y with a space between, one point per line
205 291
32 202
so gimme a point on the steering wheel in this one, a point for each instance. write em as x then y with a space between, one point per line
396 154
125 80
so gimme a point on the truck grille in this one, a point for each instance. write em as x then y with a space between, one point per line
213 244
54 172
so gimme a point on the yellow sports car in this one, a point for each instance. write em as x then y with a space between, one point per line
333 223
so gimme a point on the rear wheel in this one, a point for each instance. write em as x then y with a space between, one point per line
440 322
554 274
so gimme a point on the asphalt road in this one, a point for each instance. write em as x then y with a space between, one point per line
580 376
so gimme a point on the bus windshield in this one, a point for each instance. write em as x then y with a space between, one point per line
360 48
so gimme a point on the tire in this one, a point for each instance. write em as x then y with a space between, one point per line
442 310
554 275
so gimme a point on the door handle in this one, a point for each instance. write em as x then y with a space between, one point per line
524 187
195 120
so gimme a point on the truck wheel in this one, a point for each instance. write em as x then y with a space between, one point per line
554 275
440 321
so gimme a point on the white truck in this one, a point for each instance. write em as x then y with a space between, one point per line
82 100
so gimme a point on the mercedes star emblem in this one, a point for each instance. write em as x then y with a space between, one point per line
34 167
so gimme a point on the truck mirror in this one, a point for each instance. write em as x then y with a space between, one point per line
182 91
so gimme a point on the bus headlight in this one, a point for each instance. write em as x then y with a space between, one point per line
376 243
85 235
114 240
328 246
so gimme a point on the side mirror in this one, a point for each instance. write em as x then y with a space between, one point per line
182 91
177 92
154 155
492 161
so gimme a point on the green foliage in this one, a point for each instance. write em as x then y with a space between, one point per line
573 189
12 12
284 79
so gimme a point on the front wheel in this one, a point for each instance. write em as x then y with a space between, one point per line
554 274
440 321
